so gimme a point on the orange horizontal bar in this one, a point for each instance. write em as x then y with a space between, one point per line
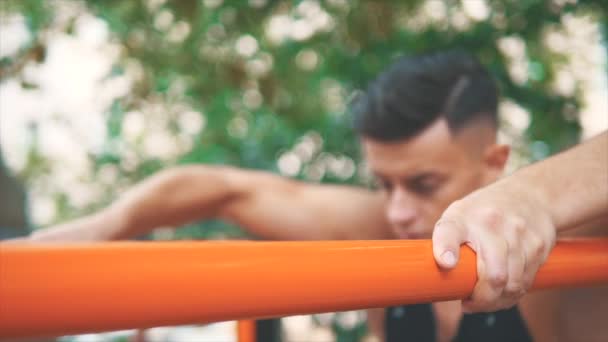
50 290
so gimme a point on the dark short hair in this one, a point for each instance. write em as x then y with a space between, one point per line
417 90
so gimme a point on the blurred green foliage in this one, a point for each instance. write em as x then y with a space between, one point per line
258 103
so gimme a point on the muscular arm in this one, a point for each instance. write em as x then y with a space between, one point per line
264 204
512 224
572 186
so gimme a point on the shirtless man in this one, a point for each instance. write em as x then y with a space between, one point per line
428 128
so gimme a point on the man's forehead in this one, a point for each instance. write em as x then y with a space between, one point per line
433 150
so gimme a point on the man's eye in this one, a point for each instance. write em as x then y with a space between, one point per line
423 188
385 185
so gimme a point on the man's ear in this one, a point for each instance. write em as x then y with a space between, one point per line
495 159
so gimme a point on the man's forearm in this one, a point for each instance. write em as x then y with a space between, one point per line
171 198
176 197
102 226
572 186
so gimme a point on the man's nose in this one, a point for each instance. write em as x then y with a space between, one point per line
401 209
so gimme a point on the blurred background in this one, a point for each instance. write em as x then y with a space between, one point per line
97 95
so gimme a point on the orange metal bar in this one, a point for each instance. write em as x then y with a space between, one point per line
50 290
245 330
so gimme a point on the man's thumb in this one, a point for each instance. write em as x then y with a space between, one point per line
448 235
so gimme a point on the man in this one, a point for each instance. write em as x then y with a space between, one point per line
428 129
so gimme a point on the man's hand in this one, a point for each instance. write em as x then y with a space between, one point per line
512 234
512 224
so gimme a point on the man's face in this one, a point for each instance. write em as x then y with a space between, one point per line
423 175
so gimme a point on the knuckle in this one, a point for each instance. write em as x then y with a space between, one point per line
448 225
444 221
539 248
492 218
515 289
536 246
497 278
518 226
442 228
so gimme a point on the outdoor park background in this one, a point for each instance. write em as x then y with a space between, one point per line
97 95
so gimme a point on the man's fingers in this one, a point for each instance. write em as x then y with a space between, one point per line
516 261
492 273
536 253
448 235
